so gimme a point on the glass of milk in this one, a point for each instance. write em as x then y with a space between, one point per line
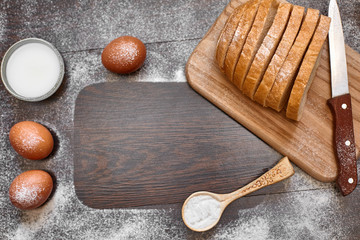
32 69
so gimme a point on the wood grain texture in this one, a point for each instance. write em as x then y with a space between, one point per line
281 171
140 144
344 142
307 143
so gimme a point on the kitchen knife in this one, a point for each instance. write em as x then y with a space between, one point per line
340 105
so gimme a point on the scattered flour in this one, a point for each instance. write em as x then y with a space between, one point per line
3 25
65 217
315 214
180 75
300 215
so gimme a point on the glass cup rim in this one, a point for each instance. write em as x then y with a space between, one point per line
7 56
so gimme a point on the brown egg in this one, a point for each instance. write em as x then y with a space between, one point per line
30 189
31 140
124 55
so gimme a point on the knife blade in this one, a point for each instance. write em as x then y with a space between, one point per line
340 105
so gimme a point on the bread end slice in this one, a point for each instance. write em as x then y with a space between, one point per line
239 37
227 34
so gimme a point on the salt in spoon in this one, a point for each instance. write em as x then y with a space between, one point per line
282 170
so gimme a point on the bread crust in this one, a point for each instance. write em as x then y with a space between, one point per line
239 37
263 19
280 91
227 34
280 55
307 71
266 50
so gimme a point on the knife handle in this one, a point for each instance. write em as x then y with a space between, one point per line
344 140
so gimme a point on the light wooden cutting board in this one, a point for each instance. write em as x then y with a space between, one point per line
309 142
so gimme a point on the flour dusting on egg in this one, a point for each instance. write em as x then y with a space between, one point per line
129 51
30 189
26 195
31 140
124 55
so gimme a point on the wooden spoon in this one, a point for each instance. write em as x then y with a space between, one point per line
282 170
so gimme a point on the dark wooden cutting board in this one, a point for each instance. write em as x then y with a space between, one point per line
139 144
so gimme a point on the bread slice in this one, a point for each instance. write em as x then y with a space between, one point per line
266 50
227 34
307 71
263 20
281 52
280 91
239 37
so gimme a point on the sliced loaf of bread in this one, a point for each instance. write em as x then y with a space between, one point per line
280 91
239 37
263 20
227 34
280 55
266 50
307 71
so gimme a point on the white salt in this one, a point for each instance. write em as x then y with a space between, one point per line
201 211
33 70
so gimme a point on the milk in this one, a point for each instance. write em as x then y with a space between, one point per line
33 70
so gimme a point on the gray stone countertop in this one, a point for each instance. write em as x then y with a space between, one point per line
170 30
